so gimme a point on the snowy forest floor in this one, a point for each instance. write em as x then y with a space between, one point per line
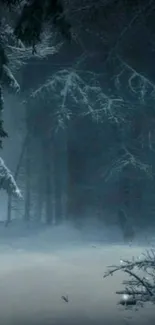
39 266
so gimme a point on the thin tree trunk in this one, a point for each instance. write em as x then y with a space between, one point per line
9 205
138 187
53 186
9 210
57 178
61 175
39 185
28 184
64 177
48 185
48 210
126 190
39 200
27 210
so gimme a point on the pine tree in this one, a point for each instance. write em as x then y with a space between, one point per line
30 18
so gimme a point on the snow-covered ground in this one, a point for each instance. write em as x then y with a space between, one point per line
36 271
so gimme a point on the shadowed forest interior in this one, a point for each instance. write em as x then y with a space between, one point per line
86 117
77 161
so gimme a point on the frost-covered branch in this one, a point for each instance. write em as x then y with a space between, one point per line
31 18
18 54
7 181
140 287
70 88
9 78
6 76
14 54
137 82
107 106
128 159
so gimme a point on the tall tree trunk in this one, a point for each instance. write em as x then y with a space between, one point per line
39 184
125 189
9 210
139 186
27 210
53 184
64 176
39 200
48 210
48 183
61 175
9 205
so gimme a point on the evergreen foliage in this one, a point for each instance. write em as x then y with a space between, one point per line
30 18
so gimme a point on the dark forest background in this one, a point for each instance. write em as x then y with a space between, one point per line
87 117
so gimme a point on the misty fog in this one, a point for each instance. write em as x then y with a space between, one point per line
64 263
40 265
77 163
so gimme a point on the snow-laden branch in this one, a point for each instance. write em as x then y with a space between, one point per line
107 106
9 78
137 82
127 160
140 287
13 54
7 181
18 54
69 88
